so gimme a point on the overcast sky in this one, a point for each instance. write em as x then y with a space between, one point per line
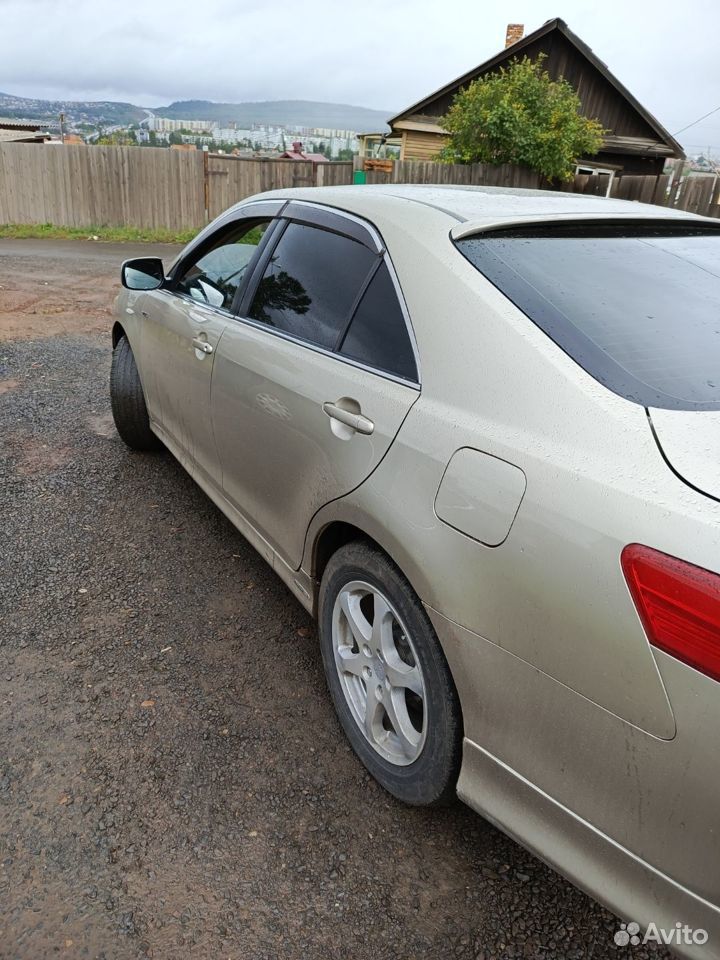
377 53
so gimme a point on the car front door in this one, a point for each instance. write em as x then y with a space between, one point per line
183 323
315 377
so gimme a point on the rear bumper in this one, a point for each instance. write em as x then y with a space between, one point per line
625 884
629 817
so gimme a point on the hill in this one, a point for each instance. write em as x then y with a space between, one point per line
302 113
77 111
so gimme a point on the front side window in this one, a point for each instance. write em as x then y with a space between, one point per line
637 306
311 283
213 279
378 335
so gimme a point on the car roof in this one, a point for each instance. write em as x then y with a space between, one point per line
470 209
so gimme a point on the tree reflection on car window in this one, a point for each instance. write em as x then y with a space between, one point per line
311 283
277 292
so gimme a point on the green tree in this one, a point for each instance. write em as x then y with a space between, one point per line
521 115
118 138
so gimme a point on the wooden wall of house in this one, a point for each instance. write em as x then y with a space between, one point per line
630 163
420 146
416 145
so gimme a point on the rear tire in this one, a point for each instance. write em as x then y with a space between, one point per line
127 400
388 677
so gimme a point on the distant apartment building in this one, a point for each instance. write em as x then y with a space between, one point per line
329 134
165 125
336 144
234 134
268 136
202 139
334 140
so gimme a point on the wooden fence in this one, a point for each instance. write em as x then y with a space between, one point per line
472 174
695 194
76 186
150 187
231 179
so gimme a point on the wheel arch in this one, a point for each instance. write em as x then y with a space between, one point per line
335 532
118 332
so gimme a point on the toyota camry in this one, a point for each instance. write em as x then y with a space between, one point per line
477 434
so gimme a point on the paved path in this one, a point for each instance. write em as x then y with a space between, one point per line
73 251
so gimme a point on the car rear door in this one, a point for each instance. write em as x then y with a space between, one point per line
183 323
315 377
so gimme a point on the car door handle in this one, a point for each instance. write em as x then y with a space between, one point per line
202 345
356 421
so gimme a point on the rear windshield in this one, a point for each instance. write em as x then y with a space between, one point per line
638 308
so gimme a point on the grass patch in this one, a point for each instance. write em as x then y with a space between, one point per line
47 231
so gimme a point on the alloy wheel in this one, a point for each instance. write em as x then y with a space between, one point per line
379 672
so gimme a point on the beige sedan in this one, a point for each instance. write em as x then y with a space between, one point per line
477 434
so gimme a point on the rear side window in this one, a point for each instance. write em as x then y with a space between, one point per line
637 307
311 283
378 334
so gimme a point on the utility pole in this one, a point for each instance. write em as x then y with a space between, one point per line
62 130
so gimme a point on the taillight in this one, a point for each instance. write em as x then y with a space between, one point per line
679 605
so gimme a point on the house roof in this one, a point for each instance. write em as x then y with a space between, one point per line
315 157
22 136
297 153
21 131
517 48
8 123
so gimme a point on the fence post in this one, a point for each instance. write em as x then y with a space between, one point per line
714 198
675 182
660 194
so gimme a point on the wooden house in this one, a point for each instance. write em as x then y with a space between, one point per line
635 141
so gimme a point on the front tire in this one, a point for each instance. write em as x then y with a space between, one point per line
127 400
391 686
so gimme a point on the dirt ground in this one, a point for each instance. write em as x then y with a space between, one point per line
52 287
173 782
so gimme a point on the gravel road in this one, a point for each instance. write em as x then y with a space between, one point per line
173 782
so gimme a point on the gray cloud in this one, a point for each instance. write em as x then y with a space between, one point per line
380 53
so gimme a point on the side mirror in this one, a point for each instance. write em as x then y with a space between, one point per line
143 273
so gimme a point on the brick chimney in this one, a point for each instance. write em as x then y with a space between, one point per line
515 32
